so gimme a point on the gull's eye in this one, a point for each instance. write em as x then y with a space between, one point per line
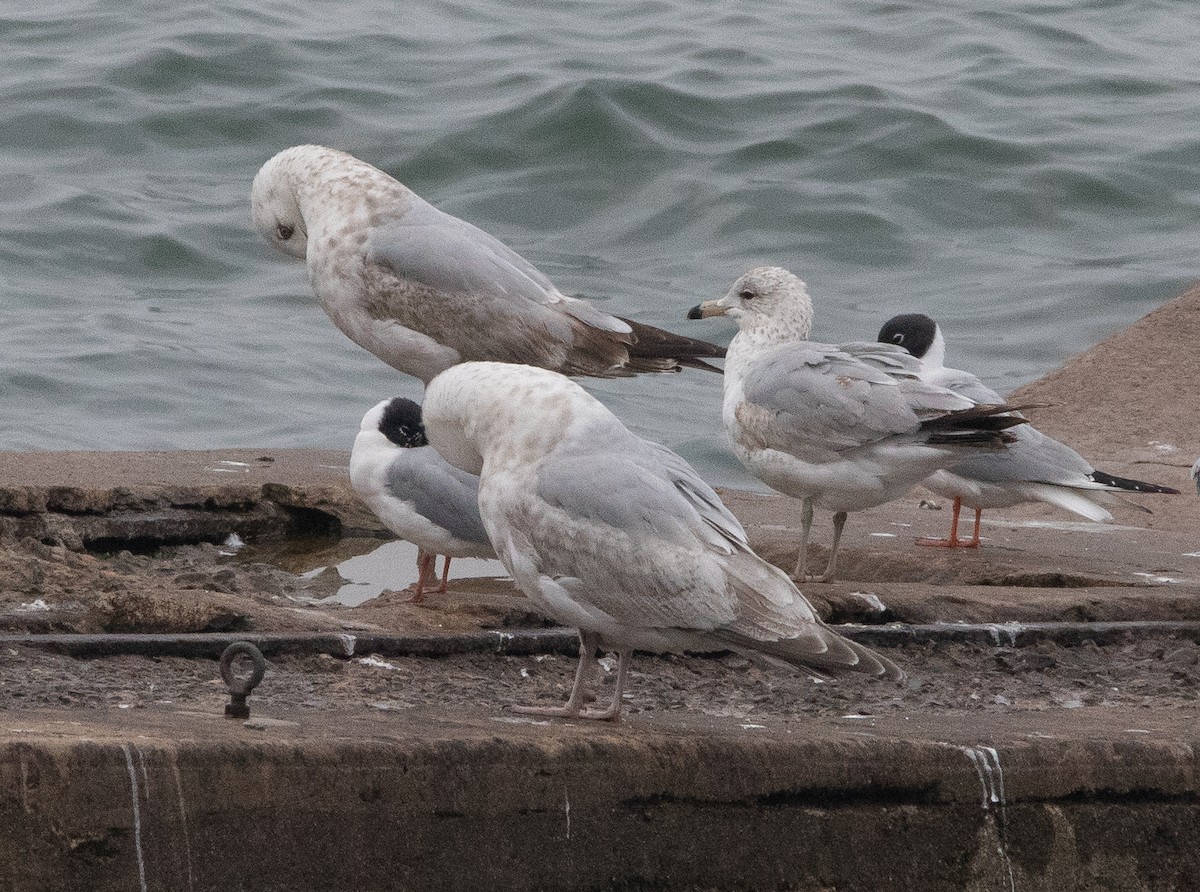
898 338
747 294
285 231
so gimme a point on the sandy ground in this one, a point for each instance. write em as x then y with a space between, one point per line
1121 404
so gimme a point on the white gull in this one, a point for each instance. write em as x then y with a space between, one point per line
423 290
615 535
843 427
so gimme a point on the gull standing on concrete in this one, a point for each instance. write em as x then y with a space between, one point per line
423 290
415 492
615 535
1035 468
844 427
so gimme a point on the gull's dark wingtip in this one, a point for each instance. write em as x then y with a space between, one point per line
656 349
1130 485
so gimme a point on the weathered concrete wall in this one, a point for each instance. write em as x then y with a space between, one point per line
422 800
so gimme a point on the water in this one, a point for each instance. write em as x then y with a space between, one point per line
393 567
1025 172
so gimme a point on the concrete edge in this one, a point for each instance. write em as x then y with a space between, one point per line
521 642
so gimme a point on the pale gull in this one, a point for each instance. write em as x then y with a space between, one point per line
415 492
843 427
1034 468
615 535
423 290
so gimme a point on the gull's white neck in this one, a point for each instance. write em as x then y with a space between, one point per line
337 193
934 359
758 332
487 416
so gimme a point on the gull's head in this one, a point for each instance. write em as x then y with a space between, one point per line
766 299
398 419
498 414
1196 474
275 199
919 335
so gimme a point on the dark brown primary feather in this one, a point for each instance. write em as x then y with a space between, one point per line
657 350
980 425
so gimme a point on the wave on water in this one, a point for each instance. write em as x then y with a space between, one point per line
1025 174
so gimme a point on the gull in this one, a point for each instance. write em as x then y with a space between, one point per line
415 492
1034 468
1196 474
424 290
843 427
617 536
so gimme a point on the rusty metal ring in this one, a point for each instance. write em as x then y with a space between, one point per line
242 686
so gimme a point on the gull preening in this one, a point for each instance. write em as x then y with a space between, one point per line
415 492
615 535
843 427
1034 468
424 290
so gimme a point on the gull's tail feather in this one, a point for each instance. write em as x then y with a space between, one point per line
659 350
1081 502
833 653
775 619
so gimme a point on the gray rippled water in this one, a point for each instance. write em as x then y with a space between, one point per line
1025 172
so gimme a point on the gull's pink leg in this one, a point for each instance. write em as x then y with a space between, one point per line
426 572
975 542
839 521
953 541
588 641
445 584
806 519
613 712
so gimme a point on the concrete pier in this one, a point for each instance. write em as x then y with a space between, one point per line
121 800
1046 738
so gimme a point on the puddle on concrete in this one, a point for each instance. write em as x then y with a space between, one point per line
393 566
366 566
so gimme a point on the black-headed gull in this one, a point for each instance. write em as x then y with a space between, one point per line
415 492
1035 468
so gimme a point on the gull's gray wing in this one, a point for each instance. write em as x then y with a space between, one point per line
965 384
632 531
453 257
927 395
439 491
1032 458
649 543
895 361
816 401
638 487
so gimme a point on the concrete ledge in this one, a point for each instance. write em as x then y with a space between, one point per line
182 801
